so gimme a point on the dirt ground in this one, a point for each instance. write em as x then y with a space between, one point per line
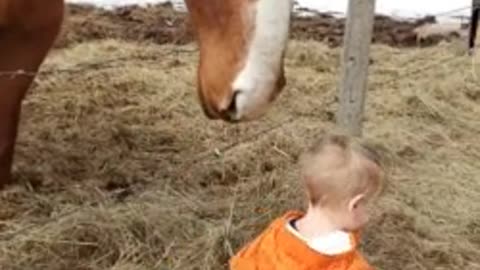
119 169
161 24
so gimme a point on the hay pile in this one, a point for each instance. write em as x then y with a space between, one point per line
120 170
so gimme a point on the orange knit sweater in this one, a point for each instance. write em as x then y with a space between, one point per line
279 249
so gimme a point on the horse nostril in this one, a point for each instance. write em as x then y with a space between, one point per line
233 103
230 113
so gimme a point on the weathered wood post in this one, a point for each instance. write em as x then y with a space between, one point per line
355 62
473 26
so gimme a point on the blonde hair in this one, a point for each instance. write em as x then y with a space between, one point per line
336 168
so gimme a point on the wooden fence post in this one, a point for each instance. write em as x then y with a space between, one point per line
473 26
355 62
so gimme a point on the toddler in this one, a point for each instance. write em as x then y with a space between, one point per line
341 178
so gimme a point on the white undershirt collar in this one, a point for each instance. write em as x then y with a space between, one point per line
334 243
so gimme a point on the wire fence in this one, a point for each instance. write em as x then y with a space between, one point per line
450 12
97 65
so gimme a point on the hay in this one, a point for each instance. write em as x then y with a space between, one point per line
120 170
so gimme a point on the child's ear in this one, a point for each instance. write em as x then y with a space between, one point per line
355 201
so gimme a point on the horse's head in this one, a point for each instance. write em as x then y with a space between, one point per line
242 46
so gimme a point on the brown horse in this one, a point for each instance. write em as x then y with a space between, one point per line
242 45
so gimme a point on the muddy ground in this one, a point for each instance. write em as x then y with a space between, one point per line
162 24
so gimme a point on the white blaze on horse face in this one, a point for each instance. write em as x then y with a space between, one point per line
256 82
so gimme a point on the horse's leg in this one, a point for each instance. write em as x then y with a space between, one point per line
28 30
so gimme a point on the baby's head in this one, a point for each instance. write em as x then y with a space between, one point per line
341 178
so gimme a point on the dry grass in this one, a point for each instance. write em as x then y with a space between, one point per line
120 170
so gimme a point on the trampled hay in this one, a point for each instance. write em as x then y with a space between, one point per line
119 169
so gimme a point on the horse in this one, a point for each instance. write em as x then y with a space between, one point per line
240 72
